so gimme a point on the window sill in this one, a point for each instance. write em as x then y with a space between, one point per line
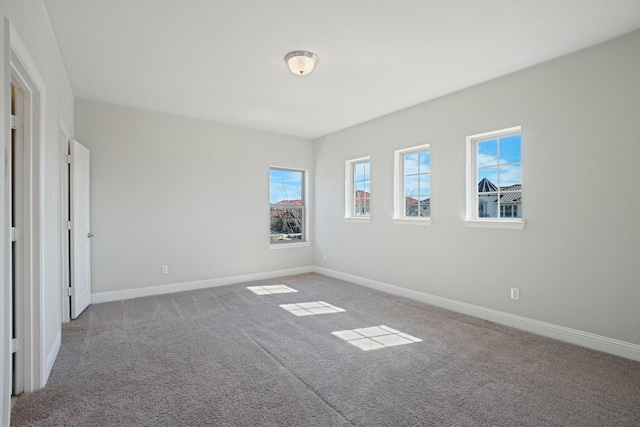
512 224
289 245
362 219
412 221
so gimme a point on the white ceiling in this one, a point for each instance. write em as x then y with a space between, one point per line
223 60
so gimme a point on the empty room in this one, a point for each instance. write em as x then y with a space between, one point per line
320 213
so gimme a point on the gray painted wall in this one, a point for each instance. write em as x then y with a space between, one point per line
190 194
31 22
193 195
577 260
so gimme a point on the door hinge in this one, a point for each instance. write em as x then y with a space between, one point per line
69 158
16 345
68 225
69 291
15 234
16 122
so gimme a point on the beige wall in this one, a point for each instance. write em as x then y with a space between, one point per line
576 261
190 194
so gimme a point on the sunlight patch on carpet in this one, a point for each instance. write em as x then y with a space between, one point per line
375 337
311 308
272 289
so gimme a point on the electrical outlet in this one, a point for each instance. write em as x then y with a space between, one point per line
515 294
165 269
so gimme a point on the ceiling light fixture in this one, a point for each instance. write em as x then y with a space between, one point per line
301 62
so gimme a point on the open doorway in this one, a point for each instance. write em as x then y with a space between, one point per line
65 229
25 358
28 364
16 253
76 226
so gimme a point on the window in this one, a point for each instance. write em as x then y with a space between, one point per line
413 185
358 199
508 211
287 211
494 179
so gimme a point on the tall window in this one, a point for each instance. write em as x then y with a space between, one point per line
494 175
358 200
287 199
413 183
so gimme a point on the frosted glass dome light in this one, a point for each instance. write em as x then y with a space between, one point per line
301 62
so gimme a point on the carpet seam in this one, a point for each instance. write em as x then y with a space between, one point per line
307 385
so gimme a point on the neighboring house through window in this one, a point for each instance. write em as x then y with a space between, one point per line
287 200
358 188
494 177
412 199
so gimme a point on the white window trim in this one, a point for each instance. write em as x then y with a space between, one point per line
305 200
472 220
289 245
350 191
398 188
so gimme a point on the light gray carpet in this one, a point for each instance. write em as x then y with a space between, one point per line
227 357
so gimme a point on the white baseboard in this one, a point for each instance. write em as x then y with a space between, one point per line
99 297
573 336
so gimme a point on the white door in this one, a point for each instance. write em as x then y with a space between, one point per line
80 230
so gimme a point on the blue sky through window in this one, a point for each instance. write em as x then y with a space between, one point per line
417 167
510 149
361 171
505 170
285 185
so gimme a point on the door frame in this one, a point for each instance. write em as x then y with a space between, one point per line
18 252
65 245
20 67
